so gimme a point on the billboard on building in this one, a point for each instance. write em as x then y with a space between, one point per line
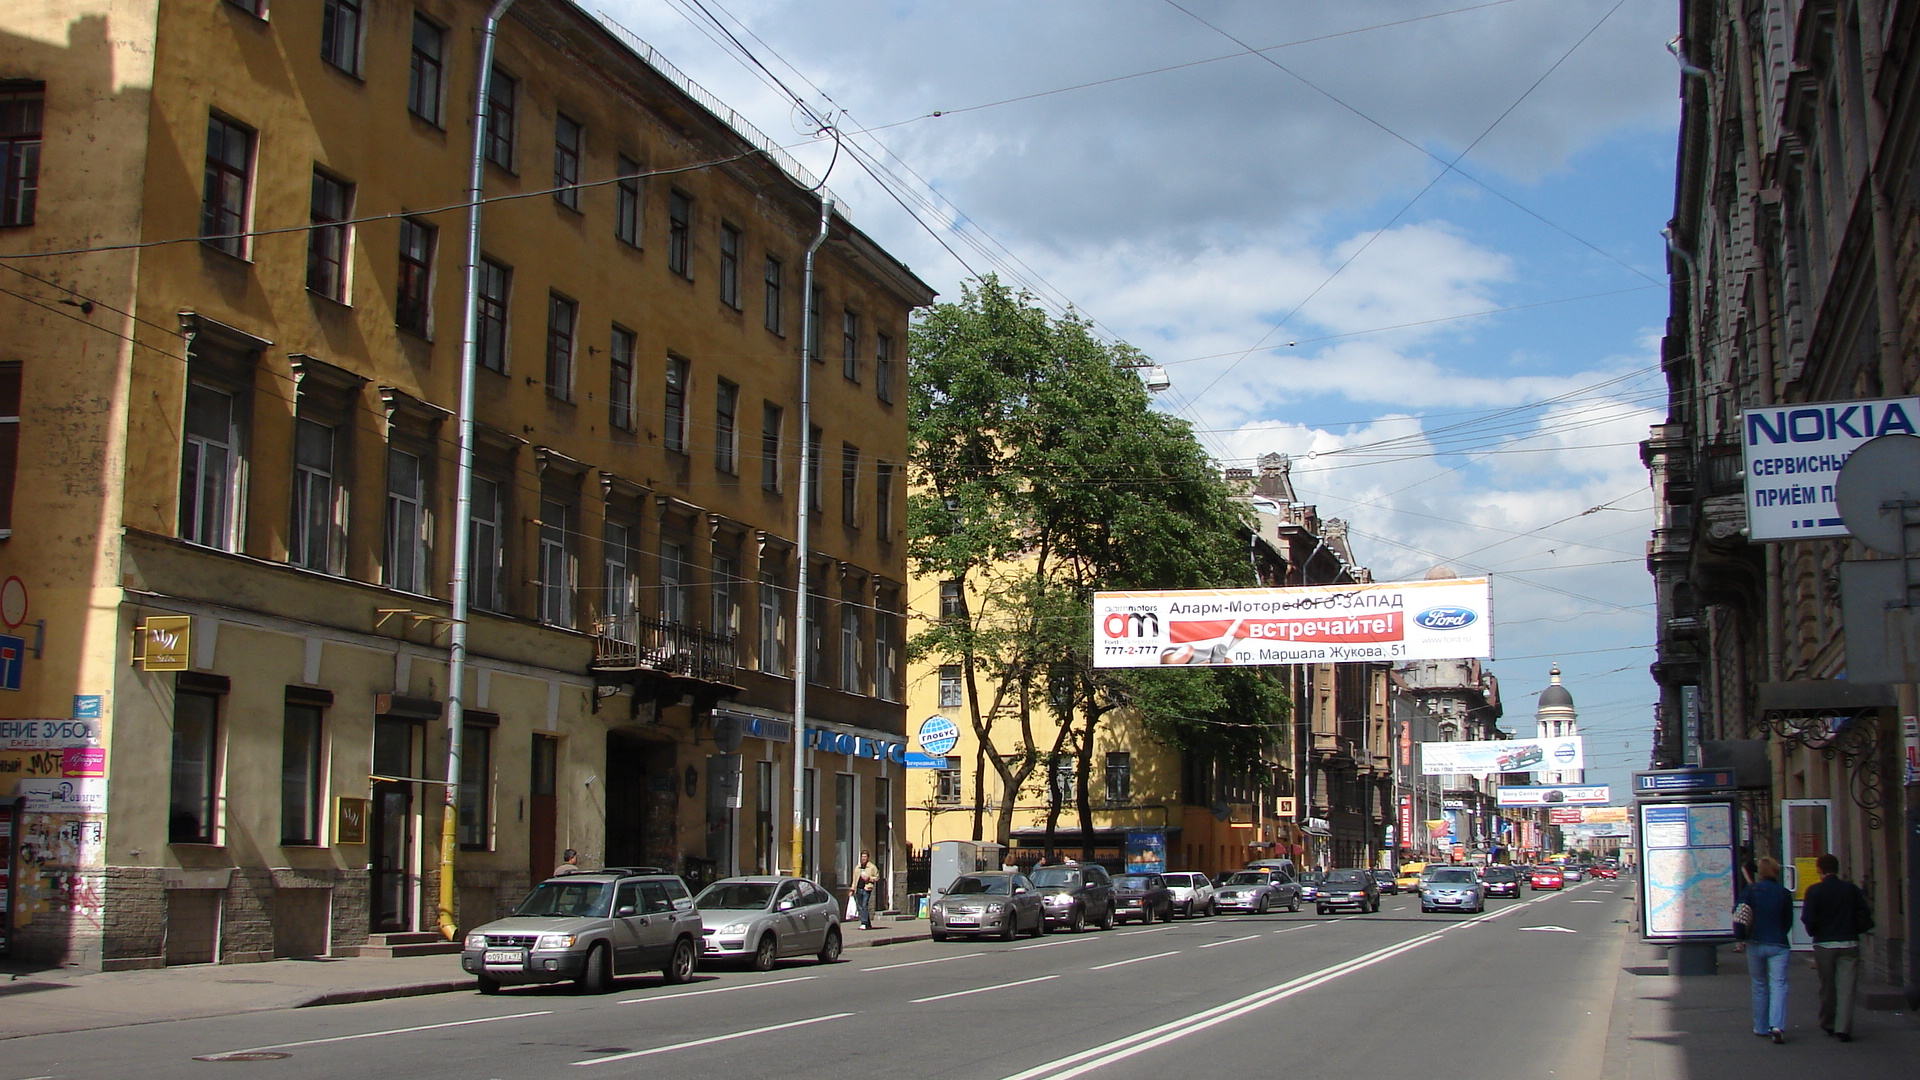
1793 459
1392 621
1562 754
1554 795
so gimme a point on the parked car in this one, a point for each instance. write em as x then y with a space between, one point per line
989 902
589 927
1143 897
1388 883
1309 883
1192 893
1257 891
762 919
1501 881
1546 877
1453 888
1354 889
1075 896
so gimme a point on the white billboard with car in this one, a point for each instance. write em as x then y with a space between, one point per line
1562 754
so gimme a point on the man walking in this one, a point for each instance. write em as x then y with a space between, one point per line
1836 913
866 877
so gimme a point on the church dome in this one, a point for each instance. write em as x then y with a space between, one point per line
1555 696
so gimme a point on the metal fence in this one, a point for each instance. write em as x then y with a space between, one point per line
630 642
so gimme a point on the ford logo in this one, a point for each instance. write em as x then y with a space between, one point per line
1446 618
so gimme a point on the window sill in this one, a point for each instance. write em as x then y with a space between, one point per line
565 205
422 335
344 73
429 121
213 245
335 301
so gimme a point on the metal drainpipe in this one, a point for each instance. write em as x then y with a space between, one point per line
463 483
803 539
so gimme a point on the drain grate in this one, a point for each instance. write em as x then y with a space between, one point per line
246 1055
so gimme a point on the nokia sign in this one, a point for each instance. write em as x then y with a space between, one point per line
1793 458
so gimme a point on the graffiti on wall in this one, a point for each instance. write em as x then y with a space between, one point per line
59 767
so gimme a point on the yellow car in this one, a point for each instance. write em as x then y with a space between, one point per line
1409 879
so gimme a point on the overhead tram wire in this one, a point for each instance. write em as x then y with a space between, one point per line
1450 167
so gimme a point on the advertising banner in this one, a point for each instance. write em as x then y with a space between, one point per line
1146 851
1554 795
1604 815
1564 815
1403 620
1503 756
1599 831
1793 459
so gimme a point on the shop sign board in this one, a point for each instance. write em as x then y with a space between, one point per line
1554 795
1793 459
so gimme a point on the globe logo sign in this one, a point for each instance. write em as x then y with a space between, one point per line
937 735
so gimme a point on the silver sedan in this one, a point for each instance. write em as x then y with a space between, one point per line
762 919
997 903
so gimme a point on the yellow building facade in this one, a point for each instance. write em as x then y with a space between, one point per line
236 298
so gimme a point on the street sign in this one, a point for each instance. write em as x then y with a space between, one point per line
13 657
1682 781
925 761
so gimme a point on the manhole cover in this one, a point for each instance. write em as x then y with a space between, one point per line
246 1055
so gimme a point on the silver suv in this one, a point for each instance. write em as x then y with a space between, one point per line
590 927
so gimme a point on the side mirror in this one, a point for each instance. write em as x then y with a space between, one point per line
625 912
786 905
1019 890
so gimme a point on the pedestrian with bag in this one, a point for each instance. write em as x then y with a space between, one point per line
1763 918
1835 913
866 878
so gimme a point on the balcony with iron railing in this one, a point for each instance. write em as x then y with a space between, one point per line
634 642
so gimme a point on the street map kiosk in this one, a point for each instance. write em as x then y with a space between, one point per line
1686 827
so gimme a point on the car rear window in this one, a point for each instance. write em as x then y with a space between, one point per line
1347 877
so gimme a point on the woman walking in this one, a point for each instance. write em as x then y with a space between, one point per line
1770 919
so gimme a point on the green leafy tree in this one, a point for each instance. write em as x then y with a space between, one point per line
1041 475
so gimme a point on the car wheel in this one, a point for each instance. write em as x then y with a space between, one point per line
1320 909
1106 923
1039 924
765 953
679 967
830 950
1260 908
1212 909
1077 921
489 986
597 976
1012 929
1166 913
939 935
1293 905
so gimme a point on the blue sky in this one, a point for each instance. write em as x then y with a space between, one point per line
1212 214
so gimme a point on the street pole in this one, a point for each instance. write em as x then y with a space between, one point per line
463 484
803 539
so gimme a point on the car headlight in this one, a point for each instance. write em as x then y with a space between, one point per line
555 941
733 928
476 941
994 909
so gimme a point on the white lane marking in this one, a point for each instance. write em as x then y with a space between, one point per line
713 1039
980 990
716 990
1229 941
390 1031
935 960
1302 926
1055 941
1135 960
1583 901
1085 1061
1551 929
1154 930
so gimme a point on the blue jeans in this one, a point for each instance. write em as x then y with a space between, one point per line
1767 967
864 899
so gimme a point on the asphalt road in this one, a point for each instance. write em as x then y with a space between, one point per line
1522 991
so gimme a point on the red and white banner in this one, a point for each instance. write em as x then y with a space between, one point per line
1394 621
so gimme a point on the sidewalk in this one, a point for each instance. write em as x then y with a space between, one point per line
1701 1027
47 1001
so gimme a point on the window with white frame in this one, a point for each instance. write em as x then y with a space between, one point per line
676 580
569 140
210 468
426 74
495 286
562 316
771 418
949 686
627 204
314 539
406 522
340 24
774 605
886 654
195 789
22 114
946 781
673 413
730 266
852 679
225 202
556 563
330 238
616 562
723 591
503 103
485 546
850 345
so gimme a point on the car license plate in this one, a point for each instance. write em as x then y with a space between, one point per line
505 956
958 920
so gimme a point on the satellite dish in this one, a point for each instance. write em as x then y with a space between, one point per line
726 732
1881 471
